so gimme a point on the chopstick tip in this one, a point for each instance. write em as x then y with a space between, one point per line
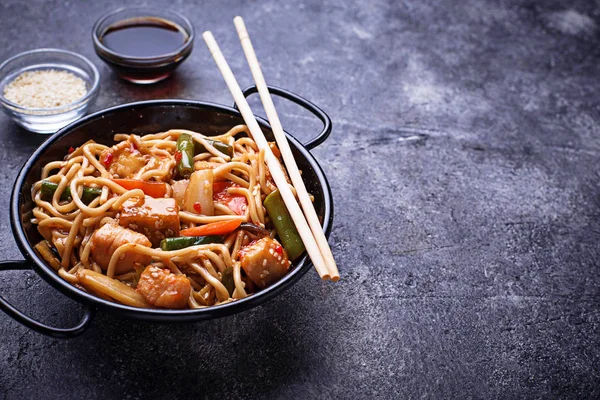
210 41
240 25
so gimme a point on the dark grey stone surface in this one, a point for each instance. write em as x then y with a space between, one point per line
465 169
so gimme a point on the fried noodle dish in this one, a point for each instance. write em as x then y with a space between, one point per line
168 220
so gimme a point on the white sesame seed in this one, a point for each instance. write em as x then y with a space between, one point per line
45 89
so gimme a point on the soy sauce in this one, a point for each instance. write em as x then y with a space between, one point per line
144 49
144 37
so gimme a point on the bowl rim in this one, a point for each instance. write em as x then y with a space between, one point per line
124 58
149 314
95 85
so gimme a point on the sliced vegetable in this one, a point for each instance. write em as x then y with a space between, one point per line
179 188
48 189
106 159
214 228
220 187
227 280
198 208
100 283
284 225
222 147
200 190
153 189
89 194
236 202
176 243
185 155
254 229
45 249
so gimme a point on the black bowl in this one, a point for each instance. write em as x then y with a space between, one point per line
141 118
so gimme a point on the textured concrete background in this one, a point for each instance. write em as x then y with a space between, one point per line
464 165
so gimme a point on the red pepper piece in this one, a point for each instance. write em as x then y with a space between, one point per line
107 159
198 207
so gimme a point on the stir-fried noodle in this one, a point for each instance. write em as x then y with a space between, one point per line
126 222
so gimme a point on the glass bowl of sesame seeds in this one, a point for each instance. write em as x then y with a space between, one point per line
44 90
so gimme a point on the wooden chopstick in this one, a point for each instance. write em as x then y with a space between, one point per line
274 167
284 148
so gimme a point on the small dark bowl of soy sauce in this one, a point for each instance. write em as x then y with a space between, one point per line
143 44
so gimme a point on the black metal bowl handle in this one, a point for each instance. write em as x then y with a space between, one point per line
37 326
301 101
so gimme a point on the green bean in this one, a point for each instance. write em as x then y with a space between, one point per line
220 146
284 225
185 147
176 243
227 280
89 194
48 189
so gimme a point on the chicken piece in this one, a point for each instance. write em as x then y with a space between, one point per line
107 239
265 261
126 159
123 160
162 288
154 162
155 218
179 188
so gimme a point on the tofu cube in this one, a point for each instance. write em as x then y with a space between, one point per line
154 218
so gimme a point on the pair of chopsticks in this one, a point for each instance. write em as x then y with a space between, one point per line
310 232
